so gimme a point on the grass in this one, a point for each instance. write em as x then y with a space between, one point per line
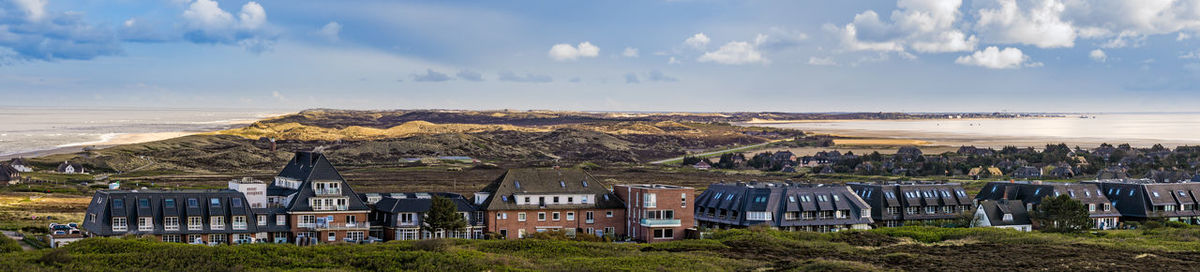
58 177
756 249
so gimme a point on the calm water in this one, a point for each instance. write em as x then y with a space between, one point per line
34 129
1169 129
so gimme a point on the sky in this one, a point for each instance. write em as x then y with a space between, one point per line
790 56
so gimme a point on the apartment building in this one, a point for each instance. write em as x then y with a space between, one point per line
189 216
1142 199
785 206
896 204
1031 193
656 212
524 201
400 216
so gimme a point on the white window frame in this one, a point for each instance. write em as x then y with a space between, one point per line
216 222
195 223
120 224
171 223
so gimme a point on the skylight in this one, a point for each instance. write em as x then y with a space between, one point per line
169 203
118 203
562 184
584 183
192 203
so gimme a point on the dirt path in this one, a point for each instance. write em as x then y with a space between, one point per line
17 237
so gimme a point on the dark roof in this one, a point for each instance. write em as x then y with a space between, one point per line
308 167
8 173
996 209
62 167
418 203
1137 197
1034 191
107 204
882 196
547 181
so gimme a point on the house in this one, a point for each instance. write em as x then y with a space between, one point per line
990 171
908 153
702 165
9 175
1113 172
317 202
656 212
1062 171
400 216
20 165
895 204
70 168
1010 214
1100 209
785 206
1142 199
1027 172
1168 175
523 201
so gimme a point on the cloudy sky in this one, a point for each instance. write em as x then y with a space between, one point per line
797 56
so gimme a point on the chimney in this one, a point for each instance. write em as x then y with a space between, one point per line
272 144
1005 193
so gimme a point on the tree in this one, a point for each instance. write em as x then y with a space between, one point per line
443 215
1061 214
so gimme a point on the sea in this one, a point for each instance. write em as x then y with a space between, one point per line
1139 129
32 129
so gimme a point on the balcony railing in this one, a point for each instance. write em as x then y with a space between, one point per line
328 191
145 227
660 222
336 226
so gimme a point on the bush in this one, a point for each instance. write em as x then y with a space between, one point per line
55 257
687 245
8 245
434 245
835 265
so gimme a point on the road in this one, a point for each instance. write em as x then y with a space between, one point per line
17 237
709 154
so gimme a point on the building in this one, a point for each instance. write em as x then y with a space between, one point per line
9 175
58 240
784 206
524 201
255 191
1142 199
1031 193
70 168
656 212
400 216
702 165
20 165
896 204
1027 172
192 216
318 202
1002 213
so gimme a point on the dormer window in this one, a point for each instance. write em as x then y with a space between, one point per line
143 203
118 203
215 202
562 184
517 183
1008 217
169 203
193 203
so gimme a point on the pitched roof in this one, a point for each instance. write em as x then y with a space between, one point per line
533 181
996 209
131 204
411 203
308 167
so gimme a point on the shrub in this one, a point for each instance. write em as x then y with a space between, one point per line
835 265
434 245
863 238
687 245
8 245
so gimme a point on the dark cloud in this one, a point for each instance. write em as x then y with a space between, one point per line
431 76
528 77
53 36
470 75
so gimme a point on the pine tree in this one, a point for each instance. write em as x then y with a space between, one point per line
1062 214
443 215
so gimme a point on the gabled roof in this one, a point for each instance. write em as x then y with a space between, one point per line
534 181
996 209
308 167
158 204
411 203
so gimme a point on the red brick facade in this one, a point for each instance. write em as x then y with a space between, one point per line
339 226
670 203
508 223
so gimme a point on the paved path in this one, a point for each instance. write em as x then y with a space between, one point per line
17 237
708 154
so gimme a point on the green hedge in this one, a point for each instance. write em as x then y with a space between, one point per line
8 245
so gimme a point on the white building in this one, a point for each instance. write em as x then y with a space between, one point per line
255 191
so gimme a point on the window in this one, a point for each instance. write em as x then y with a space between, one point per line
215 202
169 204
608 214
236 202
194 223
610 230
143 203
1091 207
354 235
541 200
280 220
541 216
351 219
585 183
171 223
589 217
195 238
170 238
527 200
118 203
261 220
521 233
792 199
683 200
570 199
408 218
1155 194
758 216
239 222
649 200
570 216
145 223
192 203
930 209
217 239
554 216
216 222
664 234
119 223
332 236
556 200
583 200
521 217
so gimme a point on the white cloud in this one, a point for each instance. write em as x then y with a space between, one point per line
565 52
1098 55
1038 23
206 22
630 52
735 53
698 41
331 31
926 26
672 60
34 9
994 58
825 61
252 16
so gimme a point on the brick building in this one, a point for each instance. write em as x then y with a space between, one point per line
657 213
524 201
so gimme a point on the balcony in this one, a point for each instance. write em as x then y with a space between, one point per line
328 191
336 226
660 222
